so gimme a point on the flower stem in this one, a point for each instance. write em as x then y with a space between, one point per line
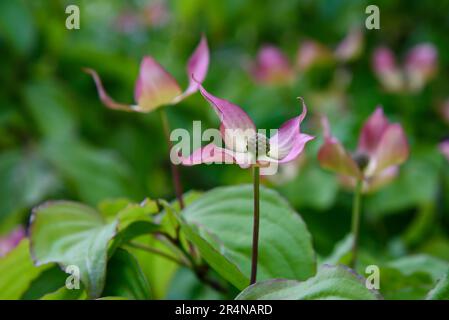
255 250
143 247
356 206
174 169
200 271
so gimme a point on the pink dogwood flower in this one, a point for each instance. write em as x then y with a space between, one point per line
420 66
381 149
155 87
243 144
272 67
444 148
11 240
350 47
311 53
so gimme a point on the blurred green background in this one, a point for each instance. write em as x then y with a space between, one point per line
57 141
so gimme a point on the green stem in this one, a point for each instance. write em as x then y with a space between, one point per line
356 206
158 252
255 249
174 169
200 271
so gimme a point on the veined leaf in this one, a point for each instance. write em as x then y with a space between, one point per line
219 223
70 233
330 283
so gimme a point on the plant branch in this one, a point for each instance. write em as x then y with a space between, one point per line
174 169
200 270
158 252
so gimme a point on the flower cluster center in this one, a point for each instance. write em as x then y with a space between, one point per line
361 159
258 144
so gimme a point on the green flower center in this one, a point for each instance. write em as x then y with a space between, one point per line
258 144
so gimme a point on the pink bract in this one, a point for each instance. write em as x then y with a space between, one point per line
381 149
155 87
243 144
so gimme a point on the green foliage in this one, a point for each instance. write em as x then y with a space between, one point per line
330 283
69 233
125 278
65 294
57 141
220 224
441 290
17 272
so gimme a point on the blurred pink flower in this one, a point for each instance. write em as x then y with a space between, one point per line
388 73
156 13
350 47
243 144
127 22
155 87
444 148
420 66
381 149
10 241
311 53
272 67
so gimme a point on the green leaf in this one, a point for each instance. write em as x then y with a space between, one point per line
17 272
432 266
66 294
17 25
185 285
95 174
441 290
49 106
158 270
49 280
25 180
395 285
70 233
330 283
133 221
219 223
342 251
109 208
125 278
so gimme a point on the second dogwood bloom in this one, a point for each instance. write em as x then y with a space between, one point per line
381 149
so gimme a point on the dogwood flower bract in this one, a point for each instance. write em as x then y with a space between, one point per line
155 87
381 149
243 144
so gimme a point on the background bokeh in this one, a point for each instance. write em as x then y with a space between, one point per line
57 141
